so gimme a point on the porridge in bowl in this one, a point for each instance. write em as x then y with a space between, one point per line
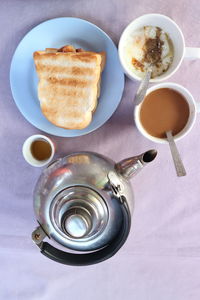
149 47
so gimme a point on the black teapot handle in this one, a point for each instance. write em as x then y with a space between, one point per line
94 257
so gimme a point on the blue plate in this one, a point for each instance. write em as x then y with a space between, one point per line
54 34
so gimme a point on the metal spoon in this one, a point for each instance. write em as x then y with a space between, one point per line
143 87
180 170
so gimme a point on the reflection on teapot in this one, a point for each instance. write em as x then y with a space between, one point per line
84 202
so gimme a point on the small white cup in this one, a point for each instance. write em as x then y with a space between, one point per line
193 107
175 34
26 150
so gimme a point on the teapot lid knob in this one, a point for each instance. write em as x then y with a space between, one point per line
77 225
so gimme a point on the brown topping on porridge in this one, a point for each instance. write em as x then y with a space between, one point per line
153 48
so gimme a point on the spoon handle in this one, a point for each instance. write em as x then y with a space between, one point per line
142 88
180 170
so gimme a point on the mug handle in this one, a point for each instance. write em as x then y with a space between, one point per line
192 52
198 106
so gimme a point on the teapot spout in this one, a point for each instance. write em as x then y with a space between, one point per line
131 166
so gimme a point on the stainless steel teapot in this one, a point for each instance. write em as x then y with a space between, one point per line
84 203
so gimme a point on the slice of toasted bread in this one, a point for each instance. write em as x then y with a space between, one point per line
69 85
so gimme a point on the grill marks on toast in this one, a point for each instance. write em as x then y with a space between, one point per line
68 86
59 95
73 82
74 71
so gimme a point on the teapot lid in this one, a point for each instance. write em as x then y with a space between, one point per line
82 218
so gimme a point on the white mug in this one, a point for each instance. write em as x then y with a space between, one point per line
175 34
193 109
28 156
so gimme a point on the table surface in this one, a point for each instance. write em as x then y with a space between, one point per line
161 258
